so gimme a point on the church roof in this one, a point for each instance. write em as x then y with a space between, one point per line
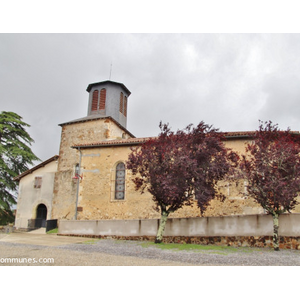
137 141
246 134
42 164
116 142
108 81
96 117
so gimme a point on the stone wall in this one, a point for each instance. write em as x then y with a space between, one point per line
65 189
96 199
96 192
252 230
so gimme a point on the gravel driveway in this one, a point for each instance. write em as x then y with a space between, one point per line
109 252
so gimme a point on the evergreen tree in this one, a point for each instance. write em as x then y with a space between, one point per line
15 158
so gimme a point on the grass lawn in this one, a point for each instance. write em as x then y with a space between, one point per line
55 230
222 250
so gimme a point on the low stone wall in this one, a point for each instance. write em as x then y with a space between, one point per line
233 241
6 229
251 230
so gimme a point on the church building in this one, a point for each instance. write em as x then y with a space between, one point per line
88 180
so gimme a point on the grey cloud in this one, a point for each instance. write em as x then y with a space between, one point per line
229 80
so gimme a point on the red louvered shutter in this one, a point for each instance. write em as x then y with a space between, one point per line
102 99
121 102
95 100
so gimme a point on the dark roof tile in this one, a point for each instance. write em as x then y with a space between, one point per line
42 164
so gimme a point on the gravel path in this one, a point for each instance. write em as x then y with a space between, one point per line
109 252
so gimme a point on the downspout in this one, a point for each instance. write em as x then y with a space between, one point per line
78 180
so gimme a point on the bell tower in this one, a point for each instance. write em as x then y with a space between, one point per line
108 99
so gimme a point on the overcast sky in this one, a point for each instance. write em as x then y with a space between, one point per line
228 80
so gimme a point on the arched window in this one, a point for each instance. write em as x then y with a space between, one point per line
121 103
102 99
120 182
95 100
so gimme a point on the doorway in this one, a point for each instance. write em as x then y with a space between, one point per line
41 215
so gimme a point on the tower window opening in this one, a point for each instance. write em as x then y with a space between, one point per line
102 99
125 107
121 103
95 100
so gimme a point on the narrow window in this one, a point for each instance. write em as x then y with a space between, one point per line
95 100
37 182
121 102
102 99
125 107
120 181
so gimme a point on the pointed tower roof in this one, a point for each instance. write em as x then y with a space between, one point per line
91 85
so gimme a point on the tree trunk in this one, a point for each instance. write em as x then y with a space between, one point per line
275 231
162 225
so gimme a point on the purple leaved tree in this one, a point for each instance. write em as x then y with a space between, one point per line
272 168
177 168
